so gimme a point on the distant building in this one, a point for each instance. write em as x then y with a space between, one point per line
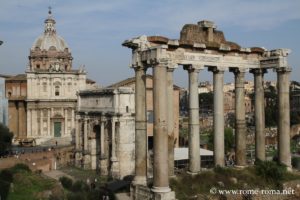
130 82
16 93
105 132
3 101
42 102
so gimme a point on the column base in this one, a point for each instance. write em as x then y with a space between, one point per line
115 171
160 189
140 180
163 193
103 167
240 166
87 162
192 173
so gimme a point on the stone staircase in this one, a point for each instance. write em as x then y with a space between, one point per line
60 142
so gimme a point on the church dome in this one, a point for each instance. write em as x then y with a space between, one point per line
49 40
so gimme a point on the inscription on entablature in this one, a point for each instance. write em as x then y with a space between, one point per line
273 61
201 58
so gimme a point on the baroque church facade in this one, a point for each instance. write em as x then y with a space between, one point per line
52 85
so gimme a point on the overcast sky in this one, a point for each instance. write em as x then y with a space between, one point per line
95 29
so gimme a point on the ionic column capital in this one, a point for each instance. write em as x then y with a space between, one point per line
236 70
193 68
258 71
216 70
283 70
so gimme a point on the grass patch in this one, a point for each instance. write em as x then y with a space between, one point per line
231 178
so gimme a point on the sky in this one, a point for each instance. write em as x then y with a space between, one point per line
95 29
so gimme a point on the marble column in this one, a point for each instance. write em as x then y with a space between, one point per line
170 97
219 147
160 150
113 140
85 137
194 137
240 122
283 131
66 122
29 121
77 133
259 114
48 122
141 137
102 135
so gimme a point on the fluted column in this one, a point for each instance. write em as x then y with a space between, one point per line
259 114
170 97
283 116
77 133
85 135
113 140
102 137
240 122
219 147
160 150
194 137
140 127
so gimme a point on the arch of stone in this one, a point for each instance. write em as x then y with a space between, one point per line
202 46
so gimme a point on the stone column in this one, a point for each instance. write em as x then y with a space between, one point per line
170 97
283 131
240 122
77 133
113 140
259 114
219 148
85 137
194 138
160 150
48 122
29 129
41 132
66 121
141 137
102 135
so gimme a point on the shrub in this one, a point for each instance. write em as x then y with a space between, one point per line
4 189
270 171
76 196
296 162
80 186
20 167
6 175
66 182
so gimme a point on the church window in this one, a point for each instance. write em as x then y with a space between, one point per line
45 87
38 66
57 90
66 67
69 87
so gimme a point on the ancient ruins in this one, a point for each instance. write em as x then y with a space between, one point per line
201 46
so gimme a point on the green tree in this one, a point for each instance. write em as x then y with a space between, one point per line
5 139
229 139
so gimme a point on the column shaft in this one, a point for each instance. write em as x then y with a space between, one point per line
194 137
219 148
141 137
283 117
77 133
240 125
160 150
102 136
85 138
113 140
170 97
259 115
